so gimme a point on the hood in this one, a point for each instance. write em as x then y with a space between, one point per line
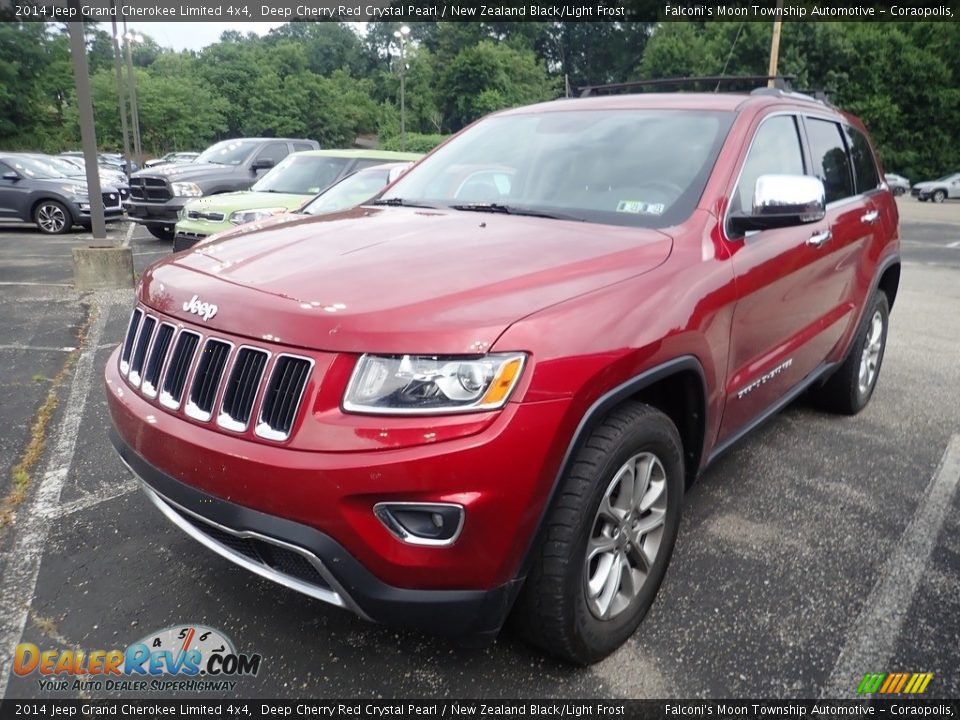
227 203
187 172
63 184
396 280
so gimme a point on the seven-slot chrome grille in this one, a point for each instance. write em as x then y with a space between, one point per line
209 377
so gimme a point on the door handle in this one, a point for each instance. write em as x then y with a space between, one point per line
870 217
820 238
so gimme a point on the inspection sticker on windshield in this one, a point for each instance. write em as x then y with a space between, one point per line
640 208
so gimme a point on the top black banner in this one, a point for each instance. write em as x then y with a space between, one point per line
475 10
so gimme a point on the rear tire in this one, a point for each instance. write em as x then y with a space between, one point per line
898 191
582 605
850 388
162 232
52 217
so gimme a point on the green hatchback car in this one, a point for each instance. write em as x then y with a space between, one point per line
286 187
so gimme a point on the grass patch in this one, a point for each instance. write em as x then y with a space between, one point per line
21 472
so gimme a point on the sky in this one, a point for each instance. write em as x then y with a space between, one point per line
195 35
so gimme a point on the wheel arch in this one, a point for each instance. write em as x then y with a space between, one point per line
889 281
677 388
35 202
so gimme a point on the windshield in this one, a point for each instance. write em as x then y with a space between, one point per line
65 167
32 168
228 152
618 167
349 192
301 175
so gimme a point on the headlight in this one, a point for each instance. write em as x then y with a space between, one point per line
186 189
244 216
417 384
77 194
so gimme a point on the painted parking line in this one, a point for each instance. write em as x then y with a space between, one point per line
38 284
872 637
19 581
38 348
90 500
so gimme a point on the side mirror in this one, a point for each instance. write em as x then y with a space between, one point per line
782 201
11 175
262 164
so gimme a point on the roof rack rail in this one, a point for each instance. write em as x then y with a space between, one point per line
781 82
819 96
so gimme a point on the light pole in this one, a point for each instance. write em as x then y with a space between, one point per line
121 96
401 35
131 38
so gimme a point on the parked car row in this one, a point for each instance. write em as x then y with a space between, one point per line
934 190
298 178
172 158
193 199
938 190
36 189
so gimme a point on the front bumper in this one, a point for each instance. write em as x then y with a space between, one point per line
145 213
309 561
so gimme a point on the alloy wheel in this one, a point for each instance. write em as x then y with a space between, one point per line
625 536
871 354
51 218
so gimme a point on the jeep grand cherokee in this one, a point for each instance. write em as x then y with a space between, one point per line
486 392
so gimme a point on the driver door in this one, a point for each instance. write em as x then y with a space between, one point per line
776 334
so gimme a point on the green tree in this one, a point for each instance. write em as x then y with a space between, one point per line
487 77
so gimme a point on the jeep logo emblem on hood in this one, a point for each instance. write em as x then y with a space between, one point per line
204 310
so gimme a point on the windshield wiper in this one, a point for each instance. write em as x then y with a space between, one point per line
400 202
514 210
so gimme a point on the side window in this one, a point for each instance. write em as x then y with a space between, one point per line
830 161
864 167
4 168
775 150
276 151
298 146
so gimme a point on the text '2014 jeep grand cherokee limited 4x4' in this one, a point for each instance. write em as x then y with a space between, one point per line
485 392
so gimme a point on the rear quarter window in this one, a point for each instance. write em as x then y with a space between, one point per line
865 173
830 160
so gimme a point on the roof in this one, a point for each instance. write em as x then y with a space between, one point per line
385 155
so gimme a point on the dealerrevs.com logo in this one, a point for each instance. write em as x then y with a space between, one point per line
180 658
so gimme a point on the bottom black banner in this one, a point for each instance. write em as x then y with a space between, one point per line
675 709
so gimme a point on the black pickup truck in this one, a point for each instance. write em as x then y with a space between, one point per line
158 194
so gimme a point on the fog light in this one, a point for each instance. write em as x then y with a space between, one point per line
434 524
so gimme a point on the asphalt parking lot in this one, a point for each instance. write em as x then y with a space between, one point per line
818 550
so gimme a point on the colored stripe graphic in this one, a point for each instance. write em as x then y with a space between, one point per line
894 683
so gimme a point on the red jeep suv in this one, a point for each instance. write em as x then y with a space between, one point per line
484 393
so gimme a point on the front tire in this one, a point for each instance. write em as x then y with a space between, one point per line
52 217
850 388
162 232
898 191
939 196
609 538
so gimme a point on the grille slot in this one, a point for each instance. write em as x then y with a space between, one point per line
282 398
140 349
179 366
245 387
241 390
151 189
206 381
128 340
151 376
